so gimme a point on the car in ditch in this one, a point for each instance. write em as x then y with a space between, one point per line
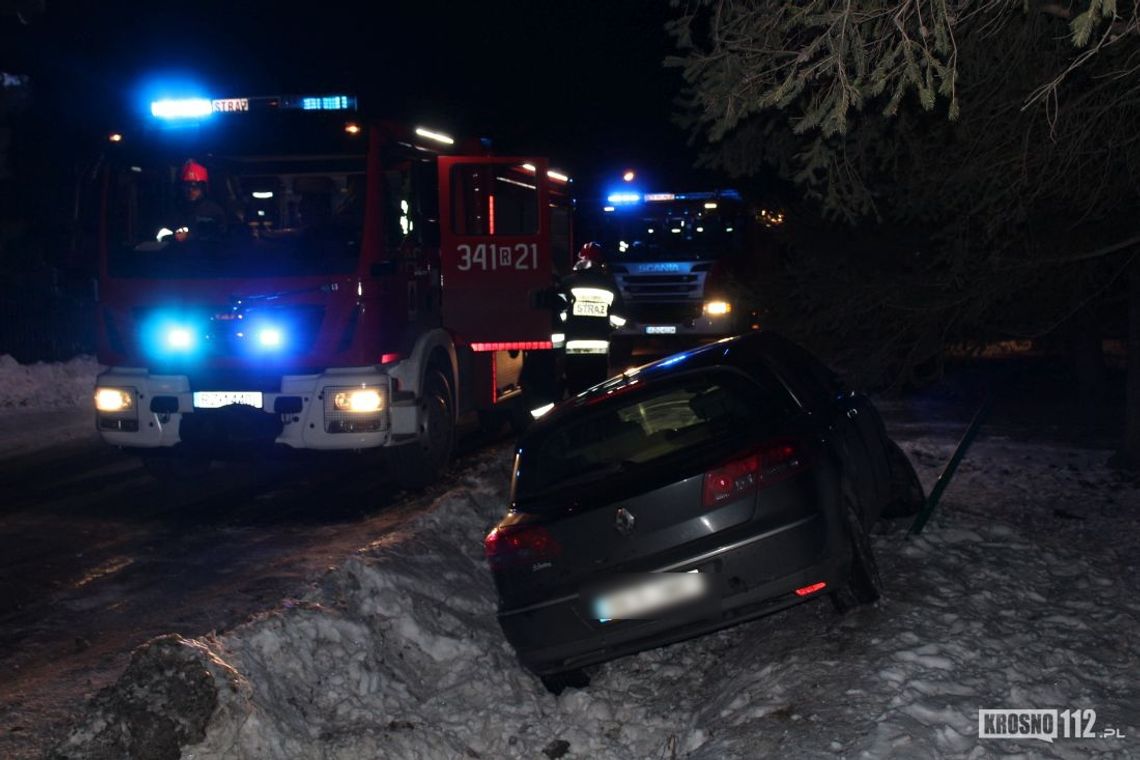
700 491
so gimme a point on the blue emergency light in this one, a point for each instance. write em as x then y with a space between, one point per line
170 335
328 103
198 108
170 109
624 198
269 337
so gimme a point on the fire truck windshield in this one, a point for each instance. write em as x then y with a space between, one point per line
671 231
255 216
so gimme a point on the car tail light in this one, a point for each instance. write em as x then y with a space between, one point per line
811 589
519 545
770 463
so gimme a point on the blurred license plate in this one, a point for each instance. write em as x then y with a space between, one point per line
590 309
218 399
648 597
660 329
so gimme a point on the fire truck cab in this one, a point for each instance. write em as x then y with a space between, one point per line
358 284
673 257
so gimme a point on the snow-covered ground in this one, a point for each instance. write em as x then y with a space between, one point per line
46 403
1022 593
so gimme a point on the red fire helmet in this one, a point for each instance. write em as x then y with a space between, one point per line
192 171
590 255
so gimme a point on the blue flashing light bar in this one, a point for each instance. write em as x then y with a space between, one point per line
731 195
328 103
181 108
198 108
624 198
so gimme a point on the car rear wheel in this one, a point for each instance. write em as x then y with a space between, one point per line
417 465
907 496
862 584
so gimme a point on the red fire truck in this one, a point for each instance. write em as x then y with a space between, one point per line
351 284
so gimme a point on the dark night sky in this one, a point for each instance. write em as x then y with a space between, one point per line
581 82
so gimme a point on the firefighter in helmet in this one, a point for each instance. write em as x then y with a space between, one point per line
592 311
198 217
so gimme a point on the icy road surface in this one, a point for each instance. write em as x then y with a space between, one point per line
1022 593
96 557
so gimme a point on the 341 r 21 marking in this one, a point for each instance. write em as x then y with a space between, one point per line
490 257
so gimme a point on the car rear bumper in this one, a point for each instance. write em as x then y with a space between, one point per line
755 577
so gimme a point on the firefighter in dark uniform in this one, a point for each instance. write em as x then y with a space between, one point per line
198 216
592 308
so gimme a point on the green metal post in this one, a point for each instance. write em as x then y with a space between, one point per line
951 467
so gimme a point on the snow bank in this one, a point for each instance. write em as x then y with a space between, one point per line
1022 593
396 654
47 385
45 404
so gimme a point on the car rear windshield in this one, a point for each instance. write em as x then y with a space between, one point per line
679 422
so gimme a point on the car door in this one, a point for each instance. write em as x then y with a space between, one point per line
819 393
870 428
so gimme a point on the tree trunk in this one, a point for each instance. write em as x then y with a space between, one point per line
1130 451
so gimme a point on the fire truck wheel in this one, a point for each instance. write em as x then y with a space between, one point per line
417 465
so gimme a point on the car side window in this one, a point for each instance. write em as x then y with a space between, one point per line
779 400
814 385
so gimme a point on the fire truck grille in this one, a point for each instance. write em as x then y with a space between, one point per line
661 287
297 326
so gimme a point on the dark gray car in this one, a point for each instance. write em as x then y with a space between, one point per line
697 492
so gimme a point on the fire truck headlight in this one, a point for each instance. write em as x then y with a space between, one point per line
617 321
360 400
717 308
356 409
114 400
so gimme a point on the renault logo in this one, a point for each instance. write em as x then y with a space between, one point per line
624 521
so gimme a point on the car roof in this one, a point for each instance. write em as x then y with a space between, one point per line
727 352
